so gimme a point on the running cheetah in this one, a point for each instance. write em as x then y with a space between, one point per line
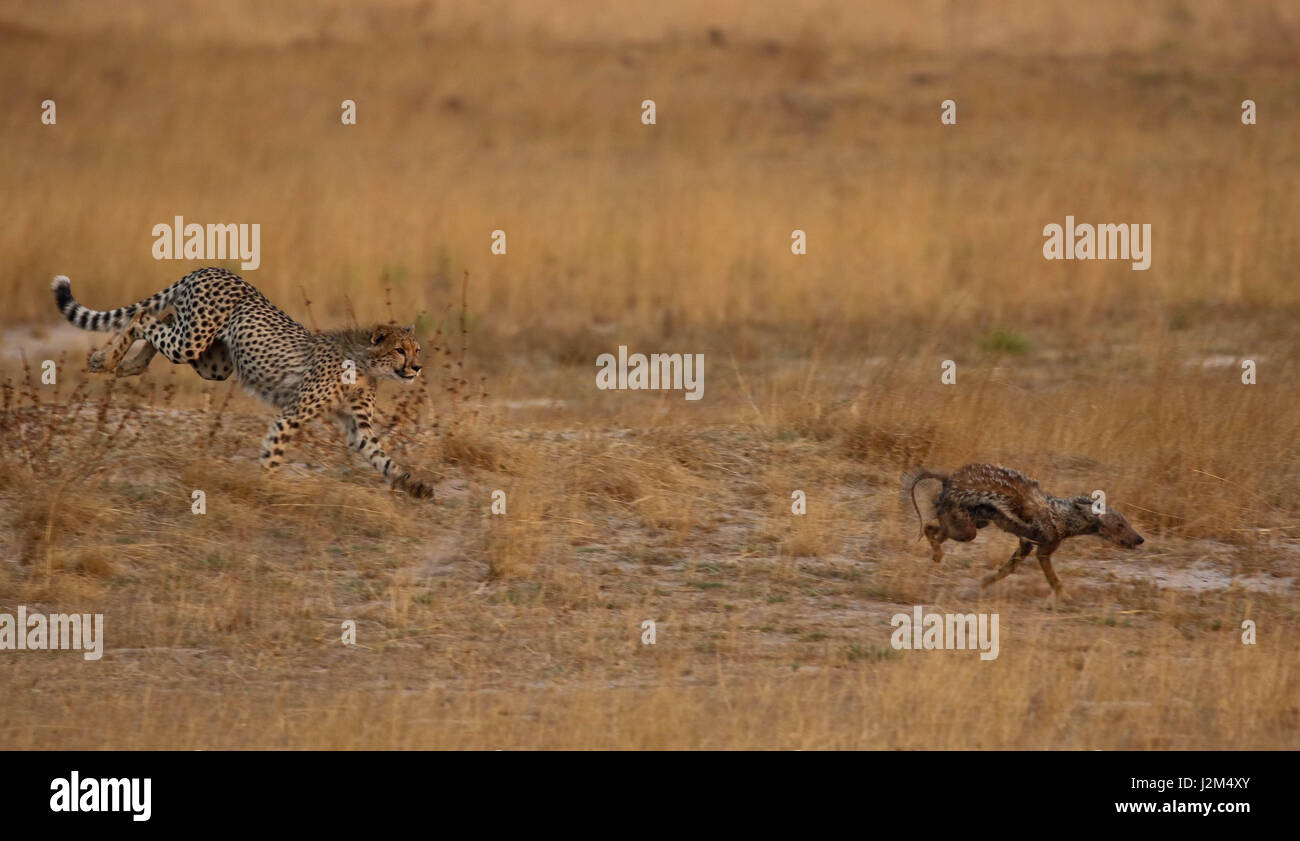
218 323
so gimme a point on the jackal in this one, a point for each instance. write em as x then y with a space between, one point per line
979 495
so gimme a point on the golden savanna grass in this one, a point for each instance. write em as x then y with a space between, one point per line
821 372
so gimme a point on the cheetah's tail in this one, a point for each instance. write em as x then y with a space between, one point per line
110 320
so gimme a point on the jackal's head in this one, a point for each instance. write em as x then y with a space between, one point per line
1112 526
394 352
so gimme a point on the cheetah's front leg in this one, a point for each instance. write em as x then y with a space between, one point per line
356 422
282 432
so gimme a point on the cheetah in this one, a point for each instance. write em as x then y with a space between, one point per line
979 495
220 324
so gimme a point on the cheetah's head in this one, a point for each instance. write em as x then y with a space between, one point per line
394 352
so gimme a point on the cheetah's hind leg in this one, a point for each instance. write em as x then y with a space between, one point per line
110 358
138 363
214 363
110 355
415 488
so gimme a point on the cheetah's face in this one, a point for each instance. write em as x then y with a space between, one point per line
395 353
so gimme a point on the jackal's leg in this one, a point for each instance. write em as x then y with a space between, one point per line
959 524
1022 551
935 534
1045 561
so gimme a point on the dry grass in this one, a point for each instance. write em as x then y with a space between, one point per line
523 630
686 224
822 373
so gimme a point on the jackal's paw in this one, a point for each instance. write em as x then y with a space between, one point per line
415 488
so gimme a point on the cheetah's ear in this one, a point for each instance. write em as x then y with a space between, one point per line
376 336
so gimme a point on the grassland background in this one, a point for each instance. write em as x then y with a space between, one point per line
822 370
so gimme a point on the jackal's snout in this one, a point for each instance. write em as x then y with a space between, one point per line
1113 527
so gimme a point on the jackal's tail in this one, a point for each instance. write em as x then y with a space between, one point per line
911 479
110 320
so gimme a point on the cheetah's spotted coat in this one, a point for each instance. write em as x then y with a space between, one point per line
218 323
